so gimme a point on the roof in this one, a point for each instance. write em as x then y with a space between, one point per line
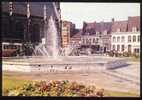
97 27
77 34
89 28
122 25
36 8
103 26
133 22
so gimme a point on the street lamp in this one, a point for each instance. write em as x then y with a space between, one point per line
10 15
28 20
27 35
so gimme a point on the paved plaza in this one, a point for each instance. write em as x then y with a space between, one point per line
88 70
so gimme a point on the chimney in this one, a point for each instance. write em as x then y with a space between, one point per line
112 19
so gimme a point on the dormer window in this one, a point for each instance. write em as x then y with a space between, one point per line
118 30
87 33
134 29
105 32
97 33
94 40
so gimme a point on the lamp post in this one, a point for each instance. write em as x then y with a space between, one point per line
10 16
28 21
27 37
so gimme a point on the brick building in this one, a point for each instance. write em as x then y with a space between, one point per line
67 32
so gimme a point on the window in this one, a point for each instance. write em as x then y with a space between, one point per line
118 30
134 38
114 39
129 38
118 39
122 39
138 38
129 48
5 46
94 40
105 32
5 29
134 29
122 47
136 50
83 41
88 34
113 47
97 40
19 30
89 41
118 47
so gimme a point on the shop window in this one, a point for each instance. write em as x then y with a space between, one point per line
113 47
118 47
122 47
129 48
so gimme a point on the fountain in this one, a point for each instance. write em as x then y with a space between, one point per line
49 54
51 39
49 46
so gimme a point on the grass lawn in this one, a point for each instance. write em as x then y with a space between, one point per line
134 59
9 82
15 81
120 94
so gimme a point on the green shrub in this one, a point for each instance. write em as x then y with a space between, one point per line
111 53
119 54
127 54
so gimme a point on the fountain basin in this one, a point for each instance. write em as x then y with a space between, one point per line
62 64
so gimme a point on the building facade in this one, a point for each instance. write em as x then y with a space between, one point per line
67 32
75 40
126 35
97 36
24 21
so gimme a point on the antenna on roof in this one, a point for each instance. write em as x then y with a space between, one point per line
112 20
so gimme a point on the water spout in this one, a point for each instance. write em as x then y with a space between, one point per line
49 45
52 38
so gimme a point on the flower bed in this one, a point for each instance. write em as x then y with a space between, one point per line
55 88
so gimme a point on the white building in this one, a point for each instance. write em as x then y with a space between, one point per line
126 35
126 42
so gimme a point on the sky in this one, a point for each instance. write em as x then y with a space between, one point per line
91 12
